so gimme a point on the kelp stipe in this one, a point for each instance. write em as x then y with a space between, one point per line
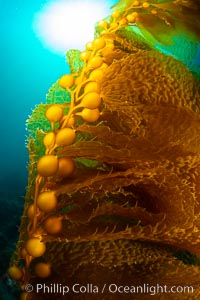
113 190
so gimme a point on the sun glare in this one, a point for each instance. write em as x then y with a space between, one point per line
69 24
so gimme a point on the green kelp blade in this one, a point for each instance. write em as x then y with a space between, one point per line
57 94
124 4
74 61
155 30
178 46
185 51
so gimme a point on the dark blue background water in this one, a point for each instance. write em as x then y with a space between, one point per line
28 69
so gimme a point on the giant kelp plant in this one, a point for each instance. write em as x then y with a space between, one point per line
114 176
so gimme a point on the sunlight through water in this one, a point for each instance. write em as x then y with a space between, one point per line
63 25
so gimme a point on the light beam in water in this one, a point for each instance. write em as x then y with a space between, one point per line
64 24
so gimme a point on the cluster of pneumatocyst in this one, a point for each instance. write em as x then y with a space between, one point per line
86 103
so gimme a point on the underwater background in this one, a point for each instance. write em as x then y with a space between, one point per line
28 69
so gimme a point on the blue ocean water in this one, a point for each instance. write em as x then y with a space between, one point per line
28 69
